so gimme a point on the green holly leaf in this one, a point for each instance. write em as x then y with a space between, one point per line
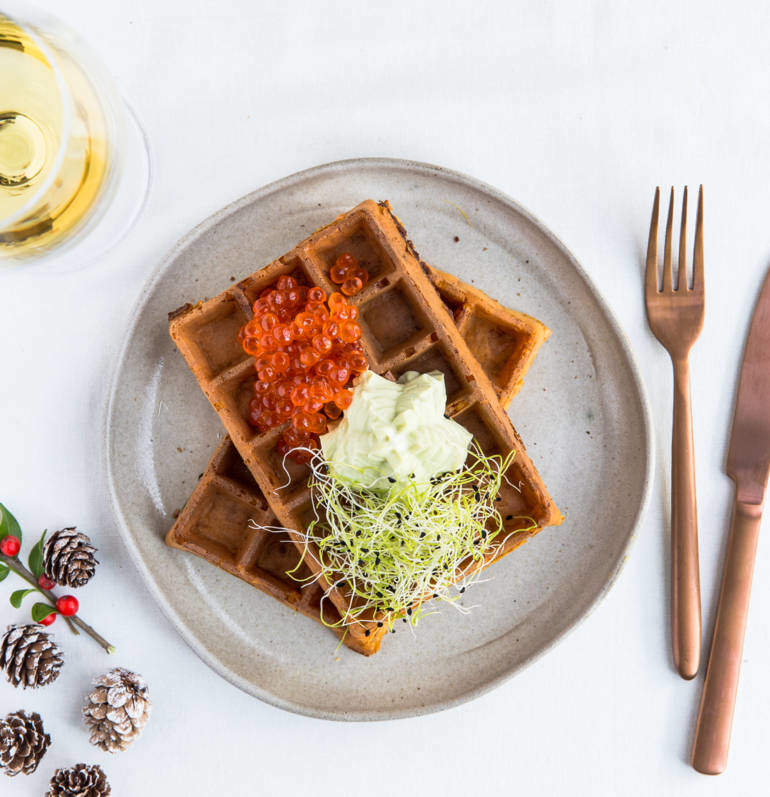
8 524
18 596
42 610
36 557
4 570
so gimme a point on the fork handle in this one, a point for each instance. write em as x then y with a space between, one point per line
715 716
685 577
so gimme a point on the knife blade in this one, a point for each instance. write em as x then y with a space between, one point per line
748 464
748 459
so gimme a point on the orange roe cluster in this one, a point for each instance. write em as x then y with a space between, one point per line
346 273
306 349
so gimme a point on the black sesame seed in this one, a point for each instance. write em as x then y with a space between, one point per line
379 624
403 619
438 537
509 517
364 550
462 590
358 534
367 632
409 612
391 480
435 595
498 499
422 534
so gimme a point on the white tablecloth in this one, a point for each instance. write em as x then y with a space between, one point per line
577 111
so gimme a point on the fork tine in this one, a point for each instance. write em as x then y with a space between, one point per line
698 279
651 275
682 283
667 279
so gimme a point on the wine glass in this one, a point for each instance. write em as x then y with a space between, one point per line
74 161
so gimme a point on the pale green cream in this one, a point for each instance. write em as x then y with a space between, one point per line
395 431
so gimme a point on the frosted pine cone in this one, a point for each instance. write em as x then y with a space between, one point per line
29 657
79 781
23 743
68 558
117 710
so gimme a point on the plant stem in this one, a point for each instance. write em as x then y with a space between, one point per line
21 571
93 634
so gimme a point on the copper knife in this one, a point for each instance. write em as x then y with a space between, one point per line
748 465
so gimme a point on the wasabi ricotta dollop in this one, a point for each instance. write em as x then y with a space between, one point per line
395 432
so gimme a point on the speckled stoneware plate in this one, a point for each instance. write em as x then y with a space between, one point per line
582 414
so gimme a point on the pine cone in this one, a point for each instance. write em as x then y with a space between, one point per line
117 710
29 656
79 781
23 743
68 558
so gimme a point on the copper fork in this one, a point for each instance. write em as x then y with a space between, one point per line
675 315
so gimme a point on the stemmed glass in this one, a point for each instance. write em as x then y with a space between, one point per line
74 161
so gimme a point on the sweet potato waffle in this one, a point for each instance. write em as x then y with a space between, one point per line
214 521
405 326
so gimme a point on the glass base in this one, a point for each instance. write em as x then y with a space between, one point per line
127 196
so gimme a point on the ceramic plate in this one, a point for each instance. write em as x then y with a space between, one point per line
581 413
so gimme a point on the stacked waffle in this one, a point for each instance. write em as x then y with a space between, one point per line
413 318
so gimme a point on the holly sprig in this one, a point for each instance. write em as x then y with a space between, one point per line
10 530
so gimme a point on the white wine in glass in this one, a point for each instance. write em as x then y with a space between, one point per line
74 167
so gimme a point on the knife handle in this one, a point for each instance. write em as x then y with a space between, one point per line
685 577
715 716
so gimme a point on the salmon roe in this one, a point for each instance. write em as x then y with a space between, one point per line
346 273
307 350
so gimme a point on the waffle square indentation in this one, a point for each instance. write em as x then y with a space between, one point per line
284 473
474 421
232 398
222 523
390 320
278 556
359 242
232 467
435 359
216 338
494 345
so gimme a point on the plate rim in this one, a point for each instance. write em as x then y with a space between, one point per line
166 606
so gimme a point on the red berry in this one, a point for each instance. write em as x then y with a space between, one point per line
67 605
48 620
10 545
46 583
